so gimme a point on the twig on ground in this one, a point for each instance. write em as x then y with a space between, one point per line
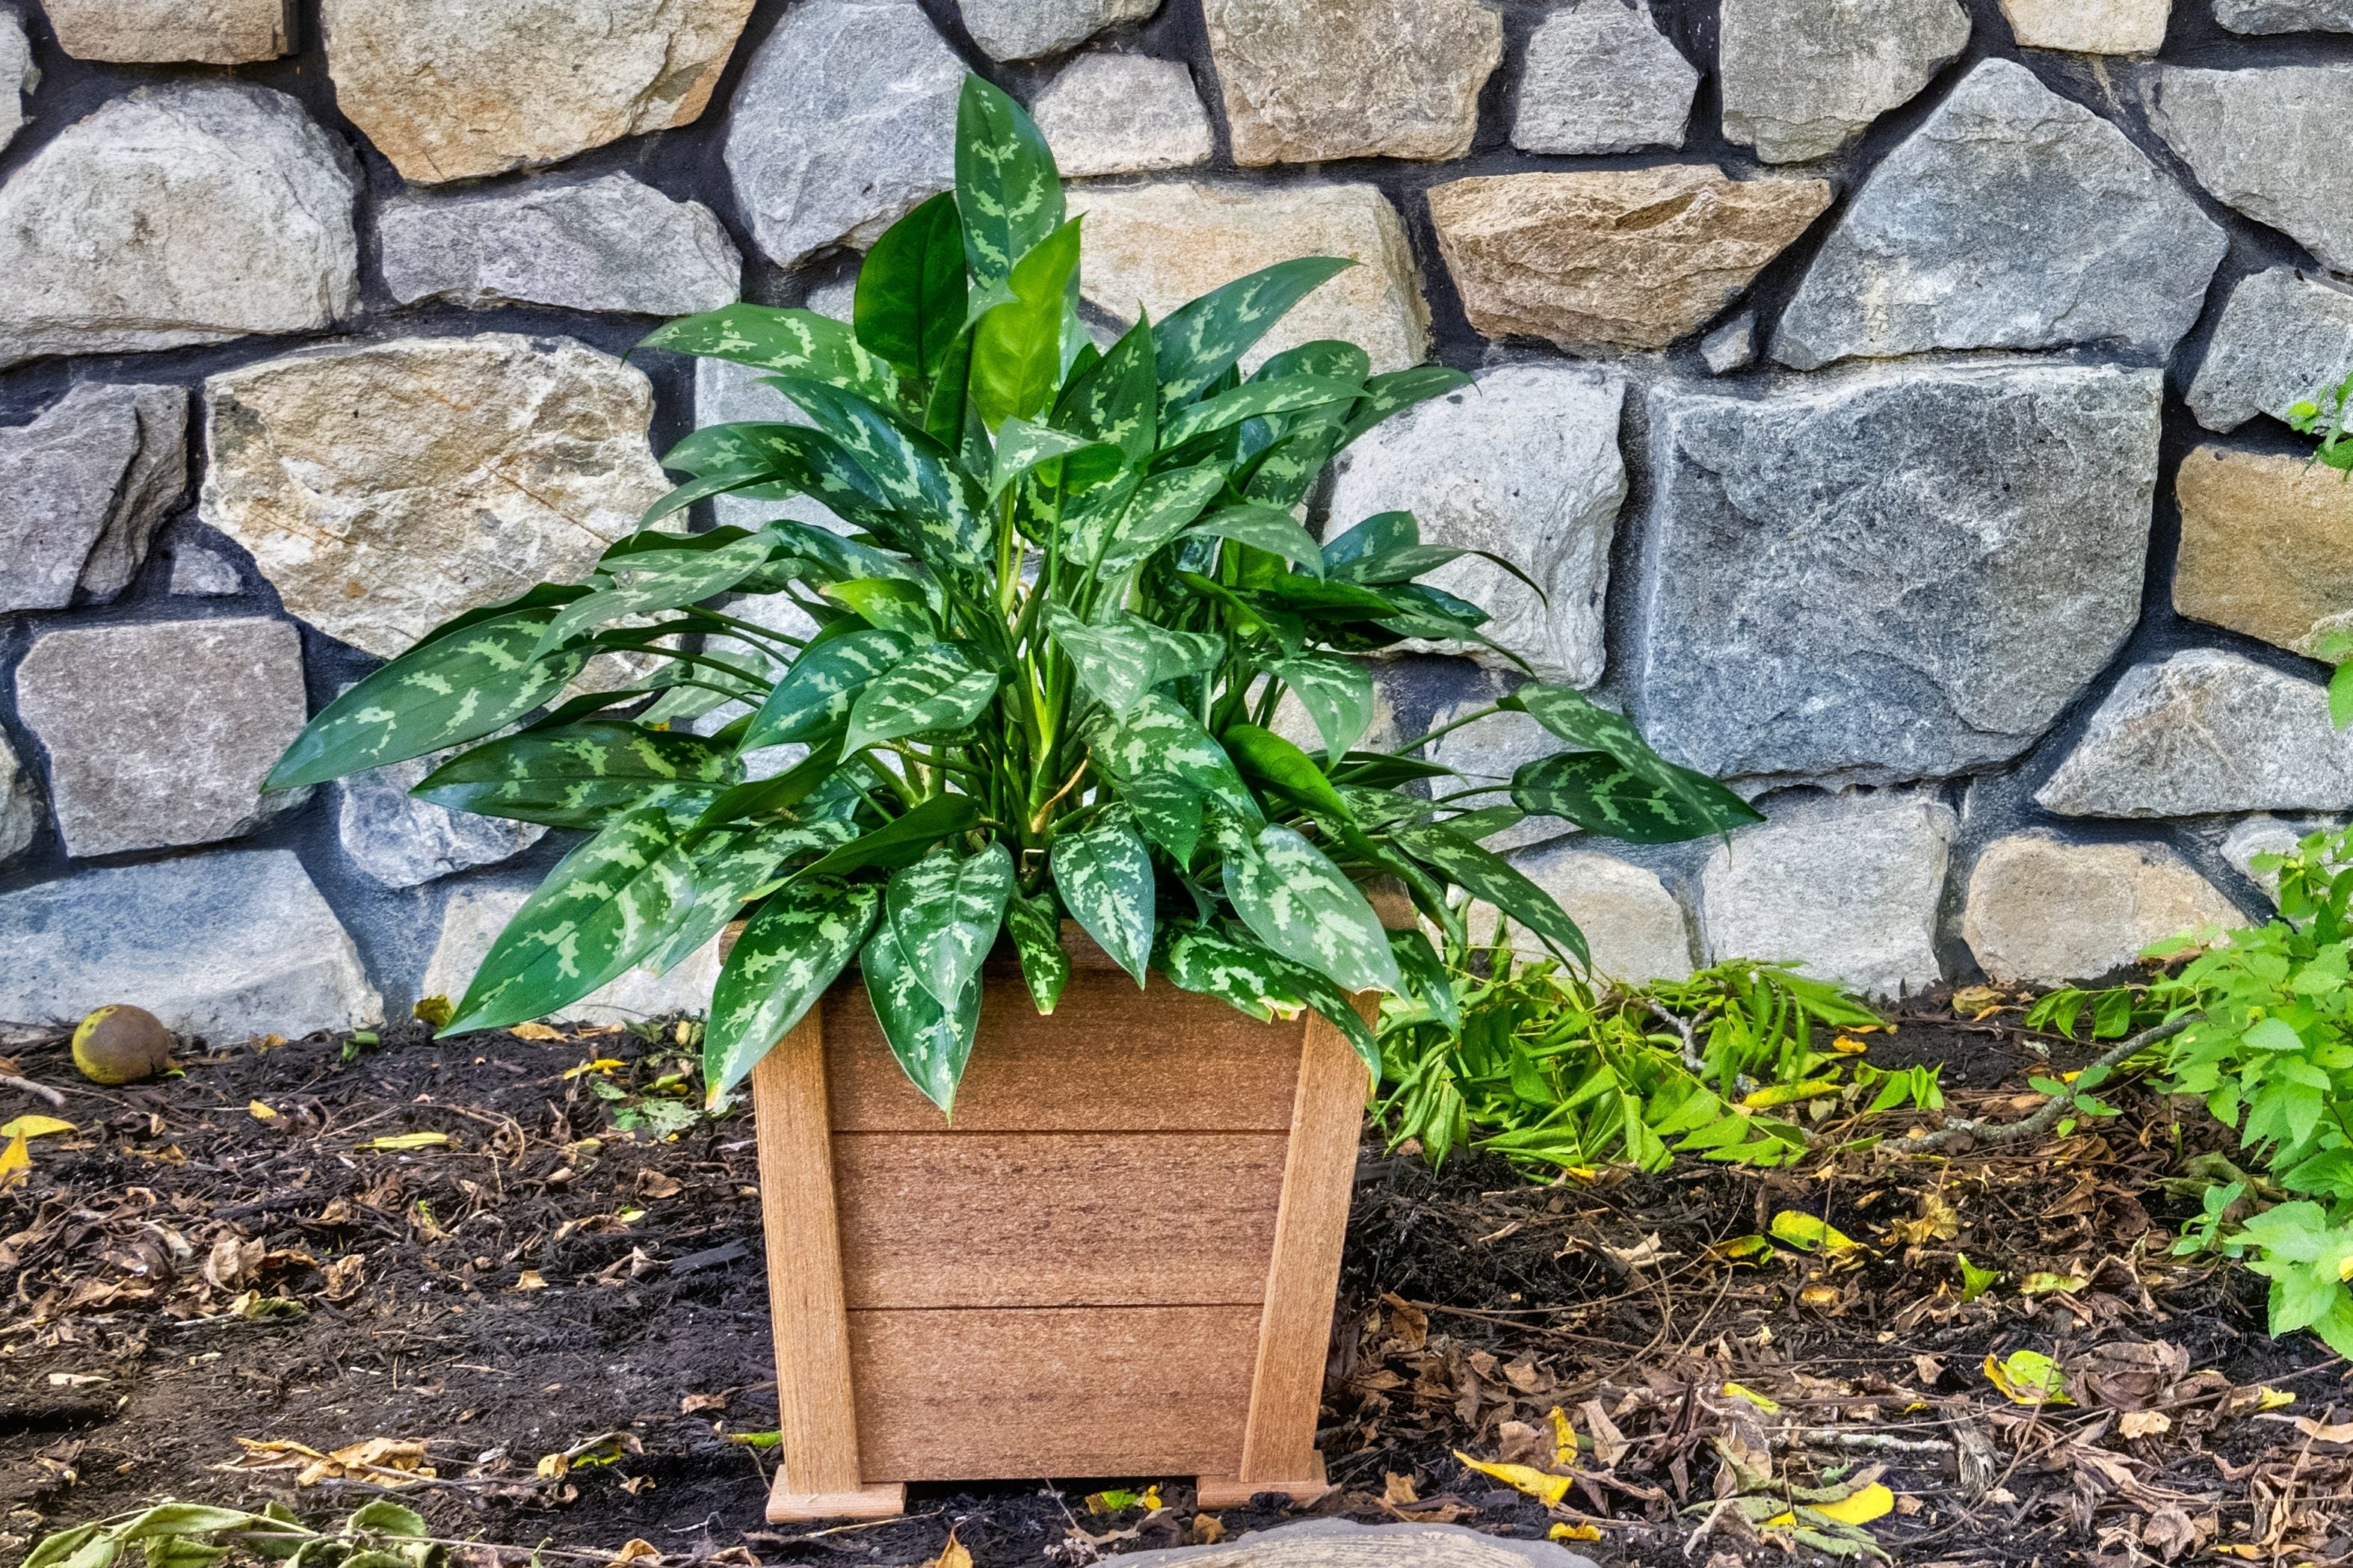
2042 1121
1691 1046
39 1091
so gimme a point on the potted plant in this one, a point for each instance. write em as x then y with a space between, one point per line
1036 680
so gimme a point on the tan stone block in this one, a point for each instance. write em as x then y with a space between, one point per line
1309 80
2266 545
1159 246
2089 27
1625 258
210 32
2043 911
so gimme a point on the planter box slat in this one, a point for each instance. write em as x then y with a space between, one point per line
984 1394
1186 1064
1105 1219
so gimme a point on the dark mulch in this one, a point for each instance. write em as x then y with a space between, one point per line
565 1276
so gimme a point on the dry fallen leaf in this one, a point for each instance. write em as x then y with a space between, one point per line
695 1402
635 1551
1208 1530
1397 1490
535 1031
2144 1423
345 1276
951 1555
2339 1432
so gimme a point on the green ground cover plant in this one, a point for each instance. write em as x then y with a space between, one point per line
1037 675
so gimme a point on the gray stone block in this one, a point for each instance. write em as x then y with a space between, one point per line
2286 15
199 571
1122 114
160 734
1342 1543
2043 912
1637 930
608 244
1025 29
20 805
221 946
84 486
1732 346
2282 338
1896 573
18 75
2012 219
1802 77
190 213
2203 732
1307 81
1600 77
2266 141
1846 884
844 121
403 842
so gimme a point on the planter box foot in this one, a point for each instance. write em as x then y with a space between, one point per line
1223 1491
788 1507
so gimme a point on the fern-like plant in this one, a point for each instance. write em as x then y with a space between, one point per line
1037 673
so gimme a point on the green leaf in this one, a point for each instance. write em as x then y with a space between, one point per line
799 342
182 1518
1426 977
1159 737
934 688
603 906
1007 189
1337 694
1036 929
1697 801
1016 347
817 693
448 690
1021 447
385 1517
1486 875
2274 1035
1104 876
1125 657
902 840
579 775
889 604
822 556
1335 358
1338 1008
1399 390
911 290
1253 400
657 580
1300 905
1203 340
1118 399
1264 528
2340 697
731 864
932 1042
945 911
1282 768
1171 813
767 462
1160 511
1244 976
914 475
1603 796
1382 534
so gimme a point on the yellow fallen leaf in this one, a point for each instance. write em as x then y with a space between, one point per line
2045 1283
530 1281
16 1164
1808 1232
1741 1247
2144 1423
35 1127
2027 1377
601 1065
1859 1507
635 1551
2274 1399
535 1031
399 1140
433 1012
1564 1439
1750 1394
1818 1296
1777 1094
1574 1532
1848 1046
1526 1479
260 1112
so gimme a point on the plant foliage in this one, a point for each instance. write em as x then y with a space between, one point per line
1034 674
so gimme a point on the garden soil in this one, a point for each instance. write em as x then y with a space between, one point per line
516 1283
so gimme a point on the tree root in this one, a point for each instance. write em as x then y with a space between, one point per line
2042 1121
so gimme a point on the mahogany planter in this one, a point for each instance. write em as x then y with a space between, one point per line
1118 1259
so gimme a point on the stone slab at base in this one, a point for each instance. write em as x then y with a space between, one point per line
788 1507
1222 1491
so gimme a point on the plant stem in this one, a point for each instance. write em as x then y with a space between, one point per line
1421 741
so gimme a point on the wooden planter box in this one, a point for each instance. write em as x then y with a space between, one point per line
1118 1261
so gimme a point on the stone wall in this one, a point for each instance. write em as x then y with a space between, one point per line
1887 393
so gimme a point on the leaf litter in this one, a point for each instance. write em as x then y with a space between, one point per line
516 1281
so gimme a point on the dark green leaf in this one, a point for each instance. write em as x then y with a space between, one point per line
911 290
1335 358
932 1042
765 462
934 688
580 776
1118 400
1398 390
1016 347
1264 528
1426 977
1201 341
1486 875
945 910
1588 726
1300 904
1036 929
1243 975
1380 534
1105 878
1007 189
1339 1009
654 581
902 840
1172 813
816 695
1660 804
1337 694
799 342
732 865
914 475
1282 769
1254 399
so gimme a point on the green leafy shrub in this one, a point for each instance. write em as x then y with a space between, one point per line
1544 1067
1039 674
379 1534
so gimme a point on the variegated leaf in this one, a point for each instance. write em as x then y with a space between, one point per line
1105 878
1337 694
1300 904
579 775
791 949
1289 467
1160 511
603 907
1483 874
1118 400
946 910
903 841
1333 357
1124 658
1699 803
1007 187
821 556
1397 391
1338 1008
730 865
1036 928
801 342
889 604
1656 804
1426 980
932 1042
1170 812
952 529
934 688
771 462
1021 447
1201 341
656 580
1246 977
1158 737
1254 399
1264 528
454 688
816 695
